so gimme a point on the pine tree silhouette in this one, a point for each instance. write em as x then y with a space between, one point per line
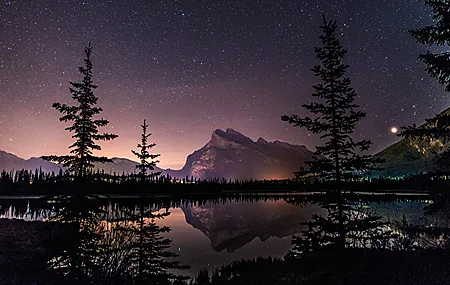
437 34
338 159
84 127
144 156
438 66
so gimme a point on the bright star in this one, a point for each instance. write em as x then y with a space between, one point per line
394 130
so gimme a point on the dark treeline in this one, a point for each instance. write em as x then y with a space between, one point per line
355 267
24 182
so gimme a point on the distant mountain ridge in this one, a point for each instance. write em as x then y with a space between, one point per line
229 154
120 165
10 162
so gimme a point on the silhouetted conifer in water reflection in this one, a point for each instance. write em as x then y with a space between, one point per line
146 259
80 247
130 249
348 223
141 256
84 127
111 259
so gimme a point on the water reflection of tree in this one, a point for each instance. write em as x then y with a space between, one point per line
146 259
130 249
80 246
348 223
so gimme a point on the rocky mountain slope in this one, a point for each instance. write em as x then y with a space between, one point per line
411 156
405 157
230 154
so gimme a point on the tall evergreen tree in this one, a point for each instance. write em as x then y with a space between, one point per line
144 155
339 159
84 127
336 115
438 66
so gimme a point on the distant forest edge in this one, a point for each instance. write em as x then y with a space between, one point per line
24 182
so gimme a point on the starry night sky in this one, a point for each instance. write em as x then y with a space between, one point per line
190 67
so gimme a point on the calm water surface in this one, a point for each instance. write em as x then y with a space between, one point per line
212 234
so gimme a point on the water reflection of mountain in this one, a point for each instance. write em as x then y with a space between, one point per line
231 226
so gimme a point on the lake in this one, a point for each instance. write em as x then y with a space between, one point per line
211 233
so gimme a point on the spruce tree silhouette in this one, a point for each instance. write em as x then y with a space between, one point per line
84 127
438 66
437 34
147 258
144 156
340 158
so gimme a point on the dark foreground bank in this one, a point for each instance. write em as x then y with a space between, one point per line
25 248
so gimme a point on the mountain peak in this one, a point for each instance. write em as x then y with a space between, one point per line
230 154
237 135
219 137
219 132
233 132
261 141
9 162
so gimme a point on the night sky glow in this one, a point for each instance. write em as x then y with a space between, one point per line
193 66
